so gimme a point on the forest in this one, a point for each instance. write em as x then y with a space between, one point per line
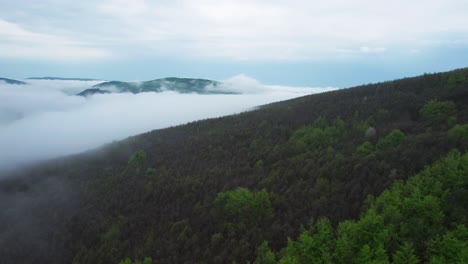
371 174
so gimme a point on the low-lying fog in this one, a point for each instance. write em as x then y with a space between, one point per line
45 119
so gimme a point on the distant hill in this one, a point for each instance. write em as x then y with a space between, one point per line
11 81
93 91
61 79
180 85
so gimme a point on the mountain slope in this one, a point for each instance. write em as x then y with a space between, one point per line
173 194
11 81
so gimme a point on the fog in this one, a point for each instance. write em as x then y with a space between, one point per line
45 119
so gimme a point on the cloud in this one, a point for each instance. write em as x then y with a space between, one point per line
244 84
372 50
44 120
17 42
236 30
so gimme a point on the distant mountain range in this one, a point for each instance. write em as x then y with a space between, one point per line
180 85
61 79
11 81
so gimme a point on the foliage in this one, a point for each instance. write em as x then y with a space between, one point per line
438 112
452 121
243 205
459 133
365 148
405 255
146 260
393 139
151 171
137 158
457 79
411 213
320 133
113 233
451 248
265 255
313 246
259 164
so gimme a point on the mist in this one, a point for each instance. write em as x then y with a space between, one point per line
45 119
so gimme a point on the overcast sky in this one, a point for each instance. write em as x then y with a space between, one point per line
313 43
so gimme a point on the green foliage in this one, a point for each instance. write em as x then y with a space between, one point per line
459 133
112 234
407 214
265 255
360 126
405 255
259 164
320 133
137 159
368 255
146 260
452 121
151 171
393 139
182 230
452 248
243 205
436 113
365 148
216 238
456 79
313 246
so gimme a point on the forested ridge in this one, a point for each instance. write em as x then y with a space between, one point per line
291 182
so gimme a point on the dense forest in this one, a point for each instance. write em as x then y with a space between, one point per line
369 174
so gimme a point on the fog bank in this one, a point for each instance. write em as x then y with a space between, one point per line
45 119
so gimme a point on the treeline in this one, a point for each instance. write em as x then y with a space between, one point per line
214 191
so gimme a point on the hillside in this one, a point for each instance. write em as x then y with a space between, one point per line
92 91
180 85
213 191
11 81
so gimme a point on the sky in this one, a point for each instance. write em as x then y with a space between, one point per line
295 42
45 119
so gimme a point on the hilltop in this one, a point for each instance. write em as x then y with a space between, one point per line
92 91
235 188
11 81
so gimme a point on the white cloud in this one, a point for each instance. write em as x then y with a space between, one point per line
372 50
244 84
17 42
244 30
43 119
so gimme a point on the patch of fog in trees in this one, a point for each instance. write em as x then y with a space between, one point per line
32 218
